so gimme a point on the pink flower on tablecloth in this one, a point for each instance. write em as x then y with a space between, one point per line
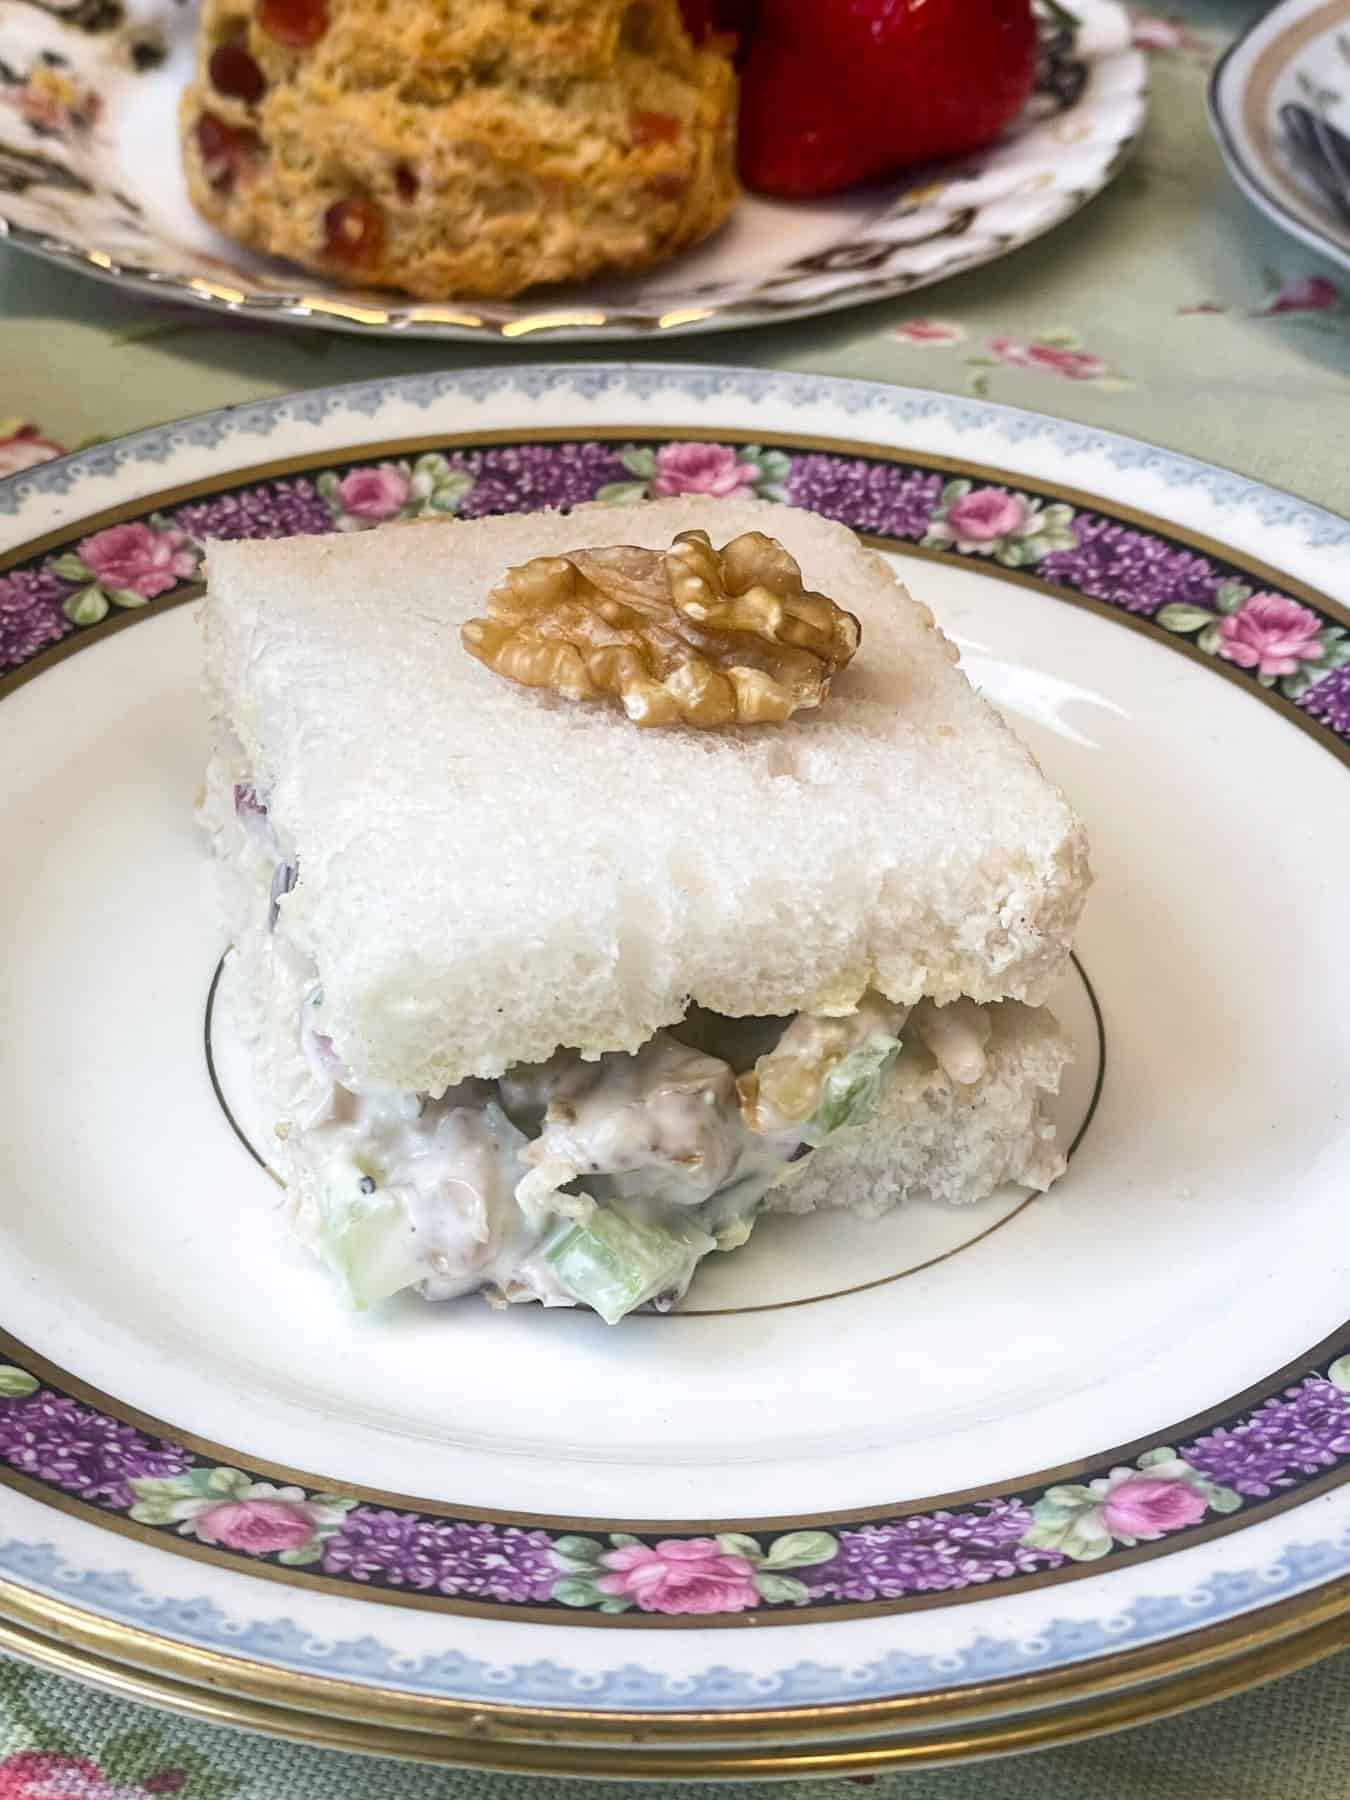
986 514
1146 1506
33 1772
24 448
51 1775
1306 293
1078 365
138 558
1270 634
256 1526
680 1576
930 331
703 469
1150 32
375 493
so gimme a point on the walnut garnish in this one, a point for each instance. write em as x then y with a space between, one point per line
687 635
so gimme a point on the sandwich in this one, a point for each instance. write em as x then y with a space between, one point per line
565 952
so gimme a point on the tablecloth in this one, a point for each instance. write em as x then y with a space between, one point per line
1168 309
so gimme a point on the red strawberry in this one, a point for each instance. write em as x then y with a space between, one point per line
840 91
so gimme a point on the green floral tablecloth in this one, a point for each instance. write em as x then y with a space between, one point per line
1167 309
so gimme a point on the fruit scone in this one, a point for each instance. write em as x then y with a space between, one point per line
473 149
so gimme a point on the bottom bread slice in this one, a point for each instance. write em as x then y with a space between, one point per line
936 1137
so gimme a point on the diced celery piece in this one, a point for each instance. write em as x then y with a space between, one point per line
850 1092
367 1239
614 1263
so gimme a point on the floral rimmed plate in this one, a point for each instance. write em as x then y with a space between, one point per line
976 1478
90 177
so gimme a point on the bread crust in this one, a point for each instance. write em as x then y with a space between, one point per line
931 1136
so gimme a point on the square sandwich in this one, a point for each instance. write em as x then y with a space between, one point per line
551 991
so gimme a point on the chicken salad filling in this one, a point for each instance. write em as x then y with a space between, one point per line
597 1182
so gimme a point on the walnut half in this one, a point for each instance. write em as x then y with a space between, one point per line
687 635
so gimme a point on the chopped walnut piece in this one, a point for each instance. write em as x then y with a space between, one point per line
688 635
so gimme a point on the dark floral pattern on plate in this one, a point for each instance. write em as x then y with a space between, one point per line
1276 640
1268 1450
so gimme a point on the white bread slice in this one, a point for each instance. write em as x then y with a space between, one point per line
487 872
953 1143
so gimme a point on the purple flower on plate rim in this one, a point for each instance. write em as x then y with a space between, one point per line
1269 1449
457 1557
280 509
525 477
55 1440
1136 570
1329 702
31 614
885 498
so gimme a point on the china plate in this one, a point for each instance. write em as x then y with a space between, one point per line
89 177
1297 54
977 1478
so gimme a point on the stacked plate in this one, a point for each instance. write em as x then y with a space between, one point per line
952 1483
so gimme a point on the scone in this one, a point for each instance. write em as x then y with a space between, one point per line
459 147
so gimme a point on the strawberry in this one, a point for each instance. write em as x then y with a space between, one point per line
836 92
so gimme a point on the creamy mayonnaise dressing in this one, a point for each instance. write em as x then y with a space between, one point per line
596 1182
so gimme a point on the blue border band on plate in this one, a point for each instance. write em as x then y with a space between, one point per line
643 381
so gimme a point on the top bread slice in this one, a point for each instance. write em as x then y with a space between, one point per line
487 872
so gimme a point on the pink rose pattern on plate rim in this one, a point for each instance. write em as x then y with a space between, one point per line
1294 1435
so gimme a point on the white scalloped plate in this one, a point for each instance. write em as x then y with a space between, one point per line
90 178
975 1479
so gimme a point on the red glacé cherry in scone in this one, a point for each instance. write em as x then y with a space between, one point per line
835 92
224 149
353 231
233 72
298 24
